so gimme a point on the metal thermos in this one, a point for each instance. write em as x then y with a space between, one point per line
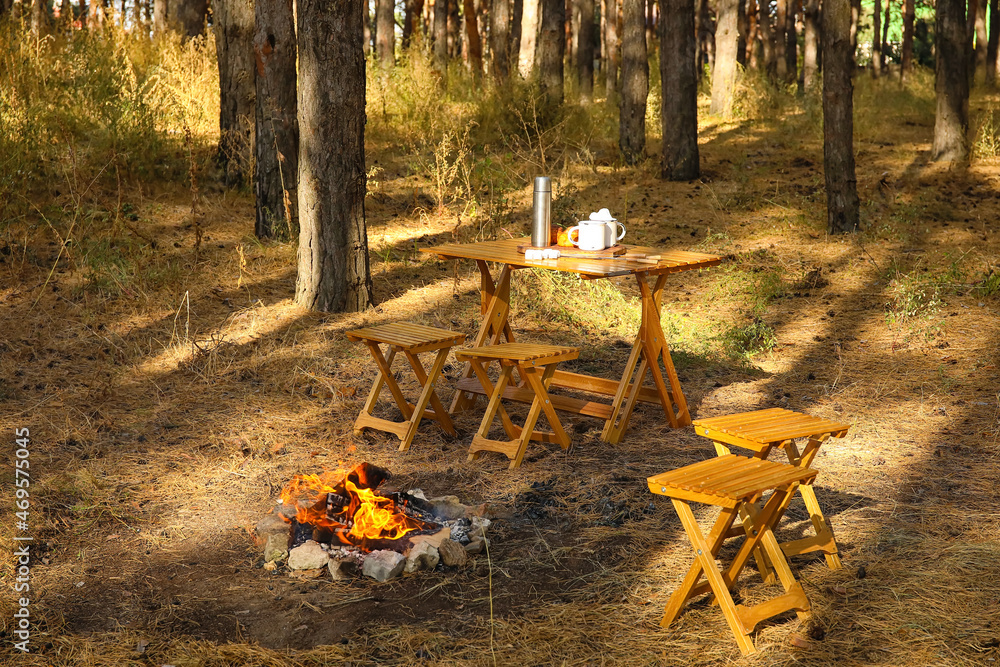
541 212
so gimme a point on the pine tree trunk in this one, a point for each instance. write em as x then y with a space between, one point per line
743 26
369 35
500 41
810 46
991 45
529 38
791 42
706 40
516 9
906 58
753 36
276 168
585 50
333 269
842 206
411 21
39 17
767 39
441 35
385 33
234 32
472 33
981 40
876 40
679 91
951 119
455 29
611 49
551 47
635 82
884 42
855 20
188 16
726 45
780 41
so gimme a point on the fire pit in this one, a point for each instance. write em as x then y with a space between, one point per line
344 524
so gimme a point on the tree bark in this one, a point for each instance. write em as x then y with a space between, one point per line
635 82
906 57
884 42
516 10
472 34
753 36
333 269
855 19
679 91
743 29
706 40
455 30
500 41
611 52
234 32
810 51
551 47
441 35
981 39
726 46
276 169
411 21
767 39
367 32
188 16
585 50
791 42
529 38
991 45
951 120
385 33
39 17
842 206
780 41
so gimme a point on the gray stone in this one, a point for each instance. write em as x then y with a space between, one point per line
475 546
452 553
343 569
447 508
276 547
271 524
383 565
307 556
422 556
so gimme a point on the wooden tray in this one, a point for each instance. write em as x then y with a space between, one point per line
573 251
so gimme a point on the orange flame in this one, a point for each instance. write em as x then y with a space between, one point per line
364 516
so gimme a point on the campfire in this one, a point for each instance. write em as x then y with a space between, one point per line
344 523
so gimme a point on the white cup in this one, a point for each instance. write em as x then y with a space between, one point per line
590 235
613 226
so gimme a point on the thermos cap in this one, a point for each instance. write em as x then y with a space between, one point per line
543 184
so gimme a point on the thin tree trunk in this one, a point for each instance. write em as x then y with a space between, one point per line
611 49
767 39
679 91
791 42
743 26
810 51
876 39
951 121
706 42
411 21
726 46
514 50
529 38
551 48
753 36
906 58
234 33
970 35
855 19
585 50
991 45
780 41
366 30
188 16
884 42
500 41
472 33
650 23
333 269
455 30
635 82
842 206
441 35
39 17
981 40
276 169
385 33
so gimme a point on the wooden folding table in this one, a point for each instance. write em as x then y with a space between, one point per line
648 349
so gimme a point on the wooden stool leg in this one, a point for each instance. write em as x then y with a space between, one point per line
376 389
706 559
427 395
540 385
481 441
484 379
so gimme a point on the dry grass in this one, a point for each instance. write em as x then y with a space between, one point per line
170 397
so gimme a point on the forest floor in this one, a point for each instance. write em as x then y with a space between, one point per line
171 393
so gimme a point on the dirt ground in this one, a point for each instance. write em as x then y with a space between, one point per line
166 414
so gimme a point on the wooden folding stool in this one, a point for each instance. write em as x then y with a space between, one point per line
411 340
535 364
764 430
733 483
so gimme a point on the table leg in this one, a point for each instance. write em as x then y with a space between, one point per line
495 306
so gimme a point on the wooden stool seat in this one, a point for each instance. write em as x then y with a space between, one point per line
764 430
733 483
411 340
535 363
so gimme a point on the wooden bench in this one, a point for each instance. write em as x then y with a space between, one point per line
733 483
411 340
765 430
535 364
